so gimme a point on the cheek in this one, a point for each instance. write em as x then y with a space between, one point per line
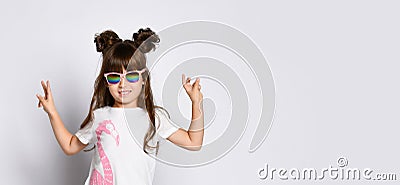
113 90
137 88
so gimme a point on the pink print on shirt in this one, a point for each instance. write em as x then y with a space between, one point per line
107 127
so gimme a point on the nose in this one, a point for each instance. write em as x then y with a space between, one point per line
122 82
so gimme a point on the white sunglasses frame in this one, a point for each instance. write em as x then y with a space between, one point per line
123 75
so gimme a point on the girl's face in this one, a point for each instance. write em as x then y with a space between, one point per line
126 93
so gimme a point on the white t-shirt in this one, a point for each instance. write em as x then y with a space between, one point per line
118 134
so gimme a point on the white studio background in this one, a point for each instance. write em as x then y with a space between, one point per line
335 66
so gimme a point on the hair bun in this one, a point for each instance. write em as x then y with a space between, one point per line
105 40
145 40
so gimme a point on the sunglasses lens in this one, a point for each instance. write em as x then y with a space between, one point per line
113 78
132 77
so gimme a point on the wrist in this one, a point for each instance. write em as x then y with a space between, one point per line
197 105
52 113
196 102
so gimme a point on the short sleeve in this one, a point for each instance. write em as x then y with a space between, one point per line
85 134
164 124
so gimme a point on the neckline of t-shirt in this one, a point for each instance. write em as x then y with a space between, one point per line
125 108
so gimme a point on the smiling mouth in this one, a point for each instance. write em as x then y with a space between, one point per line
124 92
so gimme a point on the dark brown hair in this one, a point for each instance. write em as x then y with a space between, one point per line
130 55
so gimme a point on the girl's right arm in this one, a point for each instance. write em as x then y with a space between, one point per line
68 142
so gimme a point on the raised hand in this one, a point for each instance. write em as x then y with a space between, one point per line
191 139
47 101
192 90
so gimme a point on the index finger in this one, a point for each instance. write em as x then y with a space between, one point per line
183 79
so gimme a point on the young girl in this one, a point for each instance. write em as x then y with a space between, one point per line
122 89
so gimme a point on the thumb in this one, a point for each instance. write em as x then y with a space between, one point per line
41 99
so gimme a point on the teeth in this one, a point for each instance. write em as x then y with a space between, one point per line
124 92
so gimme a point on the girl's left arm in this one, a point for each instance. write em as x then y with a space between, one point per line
192 139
